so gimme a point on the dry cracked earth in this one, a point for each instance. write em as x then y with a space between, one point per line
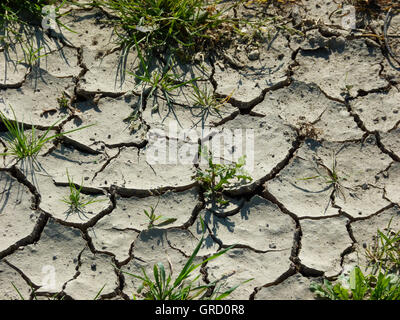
304 96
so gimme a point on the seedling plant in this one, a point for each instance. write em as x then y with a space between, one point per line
218 176
206 99
22 144
63 102
153 218
75 200
152 81
332 178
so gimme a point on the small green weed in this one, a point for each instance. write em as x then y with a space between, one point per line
164 81
153 218
346 90
206 103
332 178
206 99
24 145
219 176
74 200
63 102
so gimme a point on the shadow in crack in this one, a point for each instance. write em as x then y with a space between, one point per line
208 241
216 223
6 183
7 188
64 153
321 53
311 191
153 234
60 233
313 144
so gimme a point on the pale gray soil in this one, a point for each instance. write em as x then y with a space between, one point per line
289 231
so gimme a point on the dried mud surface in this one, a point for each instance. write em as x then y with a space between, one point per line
288 231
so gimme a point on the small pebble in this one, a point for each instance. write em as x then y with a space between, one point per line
254 55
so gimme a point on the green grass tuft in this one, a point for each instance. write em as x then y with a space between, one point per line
165 22
27 145
74 200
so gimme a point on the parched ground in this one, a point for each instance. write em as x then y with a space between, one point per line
320 90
